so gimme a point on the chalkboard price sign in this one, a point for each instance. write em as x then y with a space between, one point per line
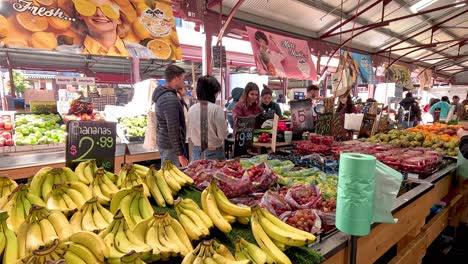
324 124
244 135
88 140
301 115
217 52
367 125
338 130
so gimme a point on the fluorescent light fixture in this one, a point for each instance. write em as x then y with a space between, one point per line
460 5
421 5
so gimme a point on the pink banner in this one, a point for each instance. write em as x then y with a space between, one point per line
281 56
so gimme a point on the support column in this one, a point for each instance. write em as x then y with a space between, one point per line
136 69
207 56
12 81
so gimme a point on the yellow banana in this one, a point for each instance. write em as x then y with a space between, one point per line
85 253
87 222
171 182
10 252
48 231
176 170
184 238
79 172
125 206
197 221
117 199
210 207
282 236
98 219
192 206
93 242
265 243
105 213
251 251
37 181
226 206
144 205
75 221
164 240
61 225
69 175
154 189
164 188
71 257
172 237
191 228
77 197
287 228
34 237
82 188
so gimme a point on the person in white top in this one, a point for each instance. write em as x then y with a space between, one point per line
216 126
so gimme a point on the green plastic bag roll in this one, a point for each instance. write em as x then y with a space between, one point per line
356 186
462 166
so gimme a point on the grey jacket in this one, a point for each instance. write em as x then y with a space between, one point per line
170 130
134 50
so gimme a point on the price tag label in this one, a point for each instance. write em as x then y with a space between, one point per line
338 130
301 115
244 135
88 140
367 125
324 124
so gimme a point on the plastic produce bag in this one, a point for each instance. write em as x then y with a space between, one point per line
274 203
305 219
150 134
462 166
387 186
303 196
261 177
233 186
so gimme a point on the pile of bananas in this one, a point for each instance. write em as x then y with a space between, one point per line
41 228
121 240
91 217
132 175
43 182
133 204
103 188
195 221
165 235
249 251
17 204
82 247
211 252
166 182
273 235
6 186
86 170
68 196
8 241
221 211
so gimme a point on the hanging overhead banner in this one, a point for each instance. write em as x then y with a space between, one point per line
74 80
362 65
143 29
425 79
281 56
399 75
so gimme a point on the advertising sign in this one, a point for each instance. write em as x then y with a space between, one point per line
400 76
281 56
143 29
362 65
243 139
74 80
301 116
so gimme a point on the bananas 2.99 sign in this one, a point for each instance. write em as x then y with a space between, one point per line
91 140
129 28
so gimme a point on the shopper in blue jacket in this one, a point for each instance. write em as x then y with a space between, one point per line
444 106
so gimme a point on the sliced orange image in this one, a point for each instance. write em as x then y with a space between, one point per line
161 49
31 22
44 40
3 27
59 23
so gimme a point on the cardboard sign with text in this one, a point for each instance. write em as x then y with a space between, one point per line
301 116
243 139
324 124
367 125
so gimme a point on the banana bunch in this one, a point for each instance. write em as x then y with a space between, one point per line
91 217
273 235
44 180
165 235
86 248
131 175
41 228
208 252
249 251
194 220
6 186
121 240
44 254
134 205
68 196
221 211
85 171
130 258
17 204
103 187
8 241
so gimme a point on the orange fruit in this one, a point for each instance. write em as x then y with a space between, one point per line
31 22
76 37
3 27
161 49
15 42
140 30
44 40
45 2
59 23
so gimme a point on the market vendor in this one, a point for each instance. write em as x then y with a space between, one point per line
208 89
270 108
103 26
249 104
